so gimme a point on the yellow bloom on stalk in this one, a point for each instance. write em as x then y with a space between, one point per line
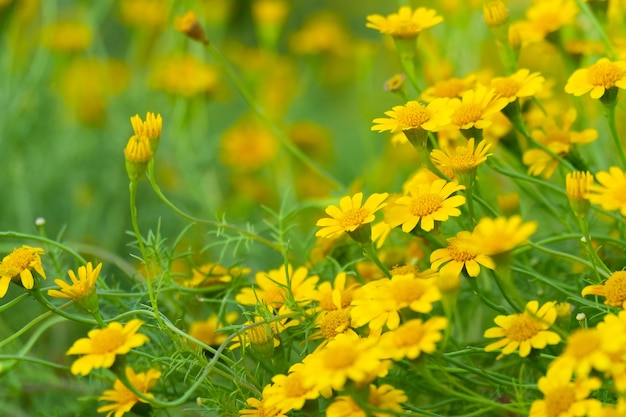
101 346
291 391
18 266
611 193
495 13
248 146
151 128
587 349
406 24
577 186
212 274
524 331
613 289
522 84
543 18
83 288
449 88
385 397
184 75
273 288
260 408
121 398
147 14
564 397
346 357
67 36
461 252
559 140
599 77
501 235
138 153
426 204
350 215
413 338
463 160
414 115
378 303
188 24
474 107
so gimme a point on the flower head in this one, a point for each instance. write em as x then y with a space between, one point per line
188 24
577 185
599 77
151 128
350 215
121 398
101 346
461 252
208 331
406 24
290 392
449 88
18 266
524 331
474 107
184 75
610 194
519 85
83 288
495 13
463 160
385 397
426 204
138 153
67 36
413 338
613 289
501 235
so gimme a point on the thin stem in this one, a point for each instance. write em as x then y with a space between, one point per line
603 36
47 241
609 113
567 256
370 252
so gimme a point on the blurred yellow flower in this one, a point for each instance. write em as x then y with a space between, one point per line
101 346
270 12
184 75
123 399
385 397
449 88
524 331
406 24
613 289
248 146
413 338
461 252
610 194
147 14
474 107
291 391
577 186
495 13
350 215
137 154
321 33
18 266
188 24
501 235
208 331
599 77
521 84
67 36
211 274
83 288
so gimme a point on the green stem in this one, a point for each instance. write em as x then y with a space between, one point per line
474 285
370 251
36 293
284 140
603 36
609 113
47 241
567 256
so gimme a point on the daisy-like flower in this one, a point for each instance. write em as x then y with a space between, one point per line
562 396
274 287
449 88
495 13
611 193
406 24
378 303
350 216
188 24
426 204
138 153
475 107
577 185
18 266
613 289
522 84
335 295
121 398
101 346
413 338
151 128
463 160
211 274
332 323
585 350
259 408
501 235
524 331
559 140
461 252
597 79
208 331
291 391
385 397
346 357
83 288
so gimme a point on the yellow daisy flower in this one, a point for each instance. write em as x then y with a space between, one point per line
474 107
18 266
151 128
101 347
562 396
449 88
461 252
524 331
598 78
83 288
67 36
385 397
335 295
259 408
121 398
611 193
413 338
212 273
406 24
522 84
501 235
463 160
291 391
414 115
577 186
208 331
613 289
350 215
426 204
585 350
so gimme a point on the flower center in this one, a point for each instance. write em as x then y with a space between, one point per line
463 162
327 303
604 74
19 258
412 115
408 338
616 290
559 401
425 204
405 291
461 255
449 88
107 341
523 328
354 217
339 358
467 113
334 323
506 87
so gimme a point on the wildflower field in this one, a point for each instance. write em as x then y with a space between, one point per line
312 208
